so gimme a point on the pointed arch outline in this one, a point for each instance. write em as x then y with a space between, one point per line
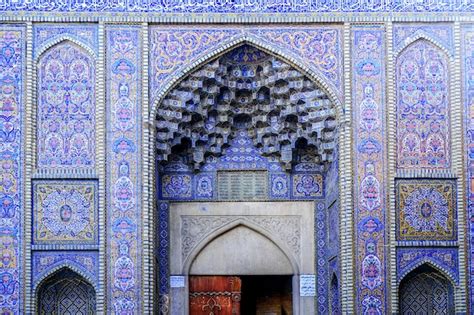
433 264
57 40
88 277
182 73
420 36
241 222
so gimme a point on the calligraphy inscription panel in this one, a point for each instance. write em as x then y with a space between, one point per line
242 185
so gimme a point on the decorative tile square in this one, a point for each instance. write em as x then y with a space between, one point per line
204 186
280 185
65 211
307 186
426 209
176 186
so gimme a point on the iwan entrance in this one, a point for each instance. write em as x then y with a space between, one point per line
233 295
261 244
246 157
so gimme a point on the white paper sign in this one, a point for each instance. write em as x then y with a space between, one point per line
177 281
307 285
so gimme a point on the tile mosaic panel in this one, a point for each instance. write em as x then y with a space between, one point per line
171 50
238 6
441 33
319 47
65 212
422 87
333 229
445 259
321 257
124 134
279 185
307 186
12 67
176 186
426 210
66 107
468 94
162 256
370 168
45 34
204 186
45 261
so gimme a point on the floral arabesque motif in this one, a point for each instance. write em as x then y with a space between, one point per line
422 107
12 56
321 48
426 210
65 212
468 74
44 261
307 185
172 49
45 33
369 158
66 107
124 168
442 33
238 6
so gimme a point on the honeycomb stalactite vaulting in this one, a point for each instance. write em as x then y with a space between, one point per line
281 108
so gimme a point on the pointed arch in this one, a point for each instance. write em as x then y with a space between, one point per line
202 244
244 39
60 39
422 79
64 265
78 280
430 263
58 75
419 36
426 289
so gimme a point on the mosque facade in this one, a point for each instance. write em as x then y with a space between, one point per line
236 157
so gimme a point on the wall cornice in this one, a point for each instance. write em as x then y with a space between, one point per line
234 18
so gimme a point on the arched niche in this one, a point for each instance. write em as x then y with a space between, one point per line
65 106
426 290
65 292
252 253
423 106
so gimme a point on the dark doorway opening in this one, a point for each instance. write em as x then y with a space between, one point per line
262 295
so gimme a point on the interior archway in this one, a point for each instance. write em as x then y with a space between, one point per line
66 292
425 290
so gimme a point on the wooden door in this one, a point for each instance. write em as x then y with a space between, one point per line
214 295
